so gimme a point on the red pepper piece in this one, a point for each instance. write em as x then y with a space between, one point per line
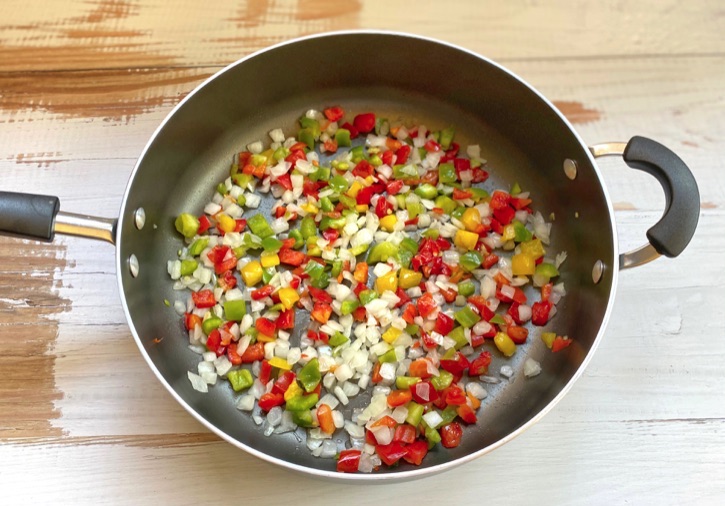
334 113
270 400
451 435
480 364
540 312
291 257
416 452
349 461
364 123
203 299
390 454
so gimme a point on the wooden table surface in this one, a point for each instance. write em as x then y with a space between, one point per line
83 84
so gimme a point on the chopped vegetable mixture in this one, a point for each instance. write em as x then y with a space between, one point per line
408 278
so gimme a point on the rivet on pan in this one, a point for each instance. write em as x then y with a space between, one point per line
597 271
133 265
570 168
139 218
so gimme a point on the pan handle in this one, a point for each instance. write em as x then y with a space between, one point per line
674 230
39 217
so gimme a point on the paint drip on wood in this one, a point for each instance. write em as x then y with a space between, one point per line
29 306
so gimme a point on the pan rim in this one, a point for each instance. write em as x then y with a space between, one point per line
362 477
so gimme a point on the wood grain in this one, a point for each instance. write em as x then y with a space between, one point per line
83 84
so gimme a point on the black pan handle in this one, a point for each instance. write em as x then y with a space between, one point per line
39 217
673 232
28 215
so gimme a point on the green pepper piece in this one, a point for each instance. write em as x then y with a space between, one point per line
521 233
198 246
251 242
459 336
339 184
414 209
259 226
457 213
471 260
404 172
447 173
446 203
478 193
234 169
342 137
433 436
271 244
210 324
449 414
308 227
442 381
544 269
310 376
241 379
447 137
322 280
409 245
415 413
466 288
241 200
358 154
312 124
280 153
268 274
326 204
242 180
336 268
321 174
258 160
426 191
381 252
302 402
405 382
302 418
234 310
404 257
412 329
379 124
307 136
388 356
297 236
221 189
188 267
497 320
187 225
348 202
467 317
314 269
366 296
337 339
515 189
431 233
348 306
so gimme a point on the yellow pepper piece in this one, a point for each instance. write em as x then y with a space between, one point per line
369 180
293 390
361 208
355 188
252 273
226 223
390 335
548 338
314 251
387 282
269 259
309 208
533 248
471 219
288 297
523 265
465 240
508 233
504 344
264 338
409 279
280 363
388 222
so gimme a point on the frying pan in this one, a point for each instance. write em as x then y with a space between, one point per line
401 77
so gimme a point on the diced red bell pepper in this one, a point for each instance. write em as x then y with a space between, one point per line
330 145
461 165
479 365
334 113
382 207
540 312
204 224
203 299
349 461
286 320
451 435
360 314
416 452
364 123
351 128
391 453
419 368
363 169
404 433
455 396
319 295
461 194
253 353
283 382
232 354
479 175
428 341
399 398
456 365
490 260
270 400
291 257
517 334
265 372
321 312
402 154
409 314
444 324
404 299
331 234
432 146
265 326
261 293
285 181
423 392
214 341
394 187
217 253
191 321
505 215
467 414
426 305
225 265
559 344
388 157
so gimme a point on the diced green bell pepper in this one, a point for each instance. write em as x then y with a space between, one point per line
338 339
187 225
446 137
515 189
447 173
544 269
234 310
358 154
259 226
308 227
198 246
405 382
307 136
210 324
433 436
459 336
426 191
409 245
388 356
271 244
467 317
297 236
302 402
312 124
471 260
326 204
342 137
348 306
310 376
381 252
268 274
442 381
188 267
466 288
241 379
521 233
366 296
415 413
497 320
446 203
302 418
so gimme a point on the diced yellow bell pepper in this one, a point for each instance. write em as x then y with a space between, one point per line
504 344
509 232
388 222
288 297
465 240
387 282
533 248
471 219
252 273
369 180
548 338
293 390
309 208
409 279
226 223
280 363
390 335
361 208
269 259
355 188
523 265
265 339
